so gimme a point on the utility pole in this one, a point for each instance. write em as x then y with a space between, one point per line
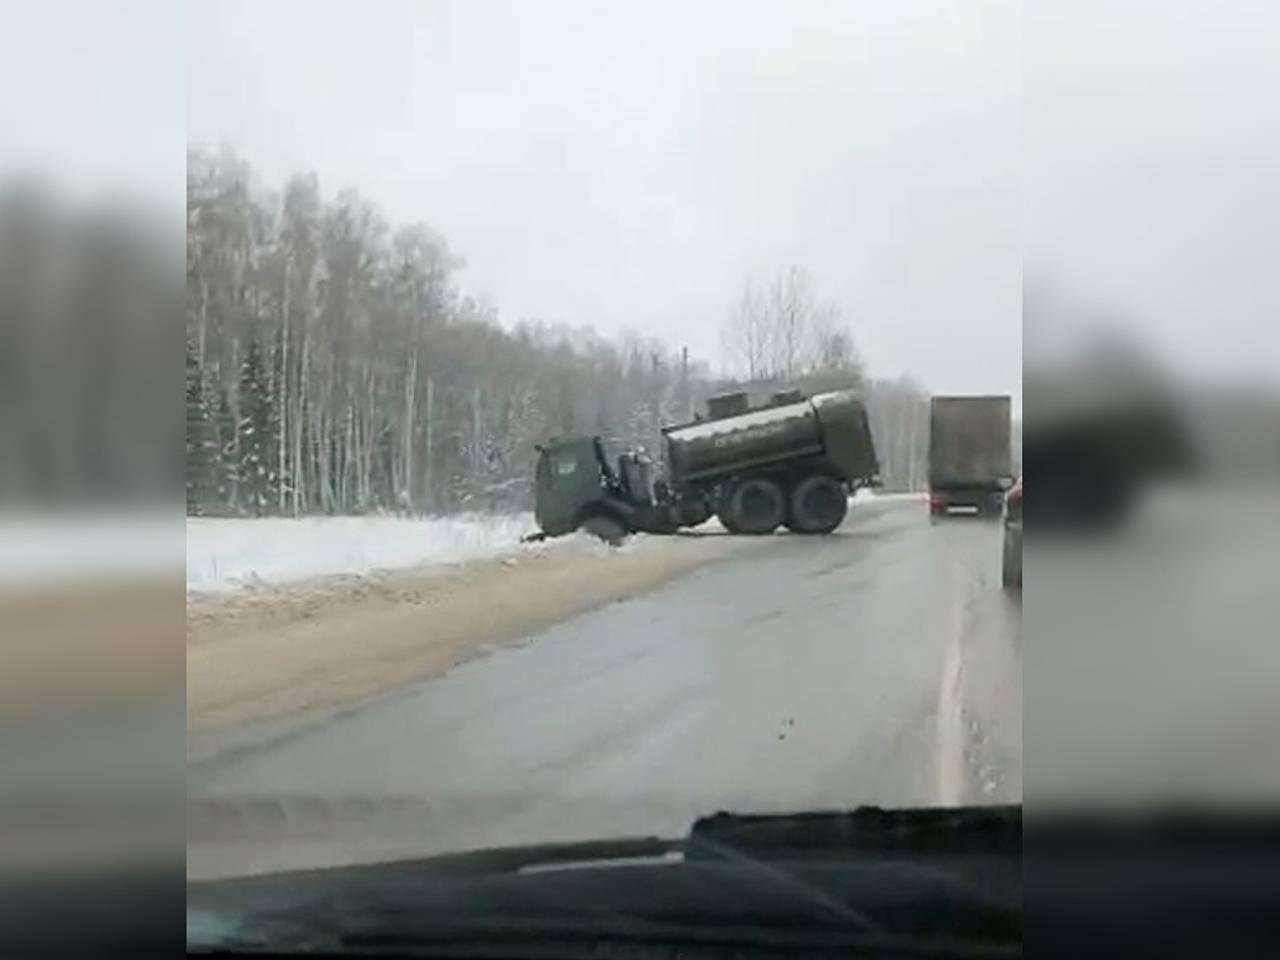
656 434
686 407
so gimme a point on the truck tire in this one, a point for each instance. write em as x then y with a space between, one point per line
818 504
754 507
1010 567
607 528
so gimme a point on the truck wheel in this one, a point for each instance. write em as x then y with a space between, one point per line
818 504
606 528
755 506
1010 567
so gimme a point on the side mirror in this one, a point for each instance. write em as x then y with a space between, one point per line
1005 482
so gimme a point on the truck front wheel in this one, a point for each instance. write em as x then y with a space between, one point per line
607 528
818 504
755 506
1011 562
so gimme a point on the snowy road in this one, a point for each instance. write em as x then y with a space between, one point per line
879 665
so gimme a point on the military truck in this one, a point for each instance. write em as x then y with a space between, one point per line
970 454
790 462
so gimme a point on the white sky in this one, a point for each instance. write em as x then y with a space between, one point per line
627 164
1151 188
92 98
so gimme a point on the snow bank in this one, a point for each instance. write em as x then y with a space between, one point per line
867 493
225 554
49 548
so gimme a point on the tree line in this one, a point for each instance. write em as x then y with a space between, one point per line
89 301
335 365
779 333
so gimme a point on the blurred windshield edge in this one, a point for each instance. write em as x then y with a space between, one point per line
91 535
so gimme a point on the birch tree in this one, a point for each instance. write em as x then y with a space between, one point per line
337 364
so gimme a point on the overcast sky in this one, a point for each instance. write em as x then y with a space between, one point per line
91 98
1150 188
628 164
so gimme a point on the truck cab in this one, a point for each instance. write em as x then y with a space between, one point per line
575 487
570 476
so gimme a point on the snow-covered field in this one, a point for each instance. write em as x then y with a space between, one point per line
66 547
224 554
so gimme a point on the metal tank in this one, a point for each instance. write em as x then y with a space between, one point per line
846 434
727 405
832 425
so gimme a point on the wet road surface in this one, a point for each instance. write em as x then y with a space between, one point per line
879 665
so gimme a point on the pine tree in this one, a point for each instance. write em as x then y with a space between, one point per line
257 430
224 469
200 447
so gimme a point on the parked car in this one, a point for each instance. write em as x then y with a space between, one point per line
1011 566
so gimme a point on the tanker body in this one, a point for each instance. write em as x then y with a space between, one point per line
791 462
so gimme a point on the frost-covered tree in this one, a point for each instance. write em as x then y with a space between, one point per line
343 368
780 331
201 445
257 432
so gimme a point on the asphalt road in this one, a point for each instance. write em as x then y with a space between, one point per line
882 664
1156 663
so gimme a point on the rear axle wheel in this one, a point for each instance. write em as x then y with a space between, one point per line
818 504
755 506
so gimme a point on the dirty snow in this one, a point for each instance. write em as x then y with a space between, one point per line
869 493
224 554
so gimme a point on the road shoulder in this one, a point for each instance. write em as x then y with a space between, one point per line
279 654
